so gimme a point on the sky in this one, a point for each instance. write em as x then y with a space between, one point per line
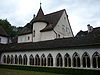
80 12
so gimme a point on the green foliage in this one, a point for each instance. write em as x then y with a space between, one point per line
6 25
22 72
69 71
11 30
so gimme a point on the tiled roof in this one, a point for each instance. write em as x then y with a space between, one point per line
95 32
26 30
3 32
51 20
53 44
40 14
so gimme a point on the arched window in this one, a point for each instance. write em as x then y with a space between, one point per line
96 60
4 59
59 60
43 60
37 60
8 59
20 59
86 60
67 60
76 60
33 33
16 59
31 60
12 59
50 60
25 60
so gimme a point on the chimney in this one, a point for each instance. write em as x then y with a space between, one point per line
34 16
90 28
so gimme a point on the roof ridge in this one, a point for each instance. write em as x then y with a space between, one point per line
55 12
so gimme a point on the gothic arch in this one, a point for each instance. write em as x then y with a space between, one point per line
4 59
59 60
8 59
12 59
20 59
86 60
67 60
31 58
76 60
96 60
50 60
25 59
16 59
37 60
43 60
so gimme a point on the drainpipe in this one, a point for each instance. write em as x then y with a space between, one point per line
55 32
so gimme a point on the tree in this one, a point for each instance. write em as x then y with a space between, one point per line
11 30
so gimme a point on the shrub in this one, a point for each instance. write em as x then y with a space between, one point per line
59 70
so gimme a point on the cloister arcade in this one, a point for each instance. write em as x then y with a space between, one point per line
84 61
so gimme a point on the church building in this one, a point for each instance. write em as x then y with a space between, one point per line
48 41
46 27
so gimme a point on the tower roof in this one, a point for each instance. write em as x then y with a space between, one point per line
40 13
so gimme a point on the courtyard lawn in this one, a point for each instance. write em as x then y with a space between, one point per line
23 72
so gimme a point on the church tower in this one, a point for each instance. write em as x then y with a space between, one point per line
38 24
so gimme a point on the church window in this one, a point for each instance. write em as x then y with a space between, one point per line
8 59
76 60
33 33
20 59
59 60
31 58
67 60
37 60
50 60
63 28
64 17
12 59
67 30
25 60
58 35
16 59
96 60
86 60
43 60
28 38
4 59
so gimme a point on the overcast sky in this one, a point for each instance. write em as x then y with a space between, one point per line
80 12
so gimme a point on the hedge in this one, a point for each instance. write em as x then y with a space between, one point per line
59 70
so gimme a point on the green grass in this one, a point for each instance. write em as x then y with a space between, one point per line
22 72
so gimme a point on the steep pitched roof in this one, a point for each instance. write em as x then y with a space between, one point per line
40 14
53 44
51 20
26 30
3 32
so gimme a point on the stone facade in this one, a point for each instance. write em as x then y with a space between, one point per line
71 58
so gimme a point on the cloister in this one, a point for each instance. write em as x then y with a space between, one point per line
85 61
